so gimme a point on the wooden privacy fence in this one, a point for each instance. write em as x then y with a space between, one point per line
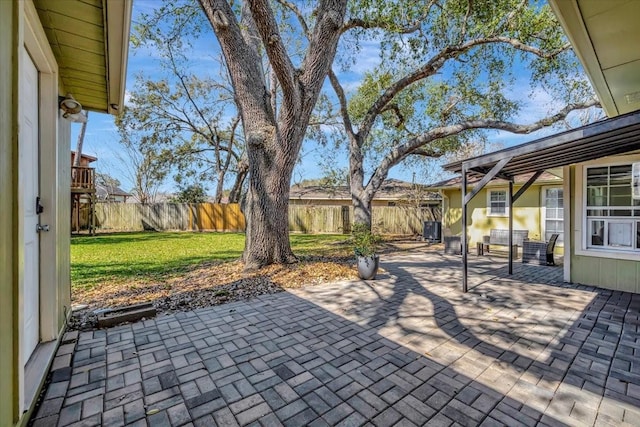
219 217
169 216
338 219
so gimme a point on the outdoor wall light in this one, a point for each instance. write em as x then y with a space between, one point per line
69 105
72 109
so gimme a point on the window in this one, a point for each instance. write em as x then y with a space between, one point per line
613 217
497 203
553 213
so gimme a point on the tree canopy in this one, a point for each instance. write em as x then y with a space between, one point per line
441 74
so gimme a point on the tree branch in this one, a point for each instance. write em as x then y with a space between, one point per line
399 153
344 107
322 46
380 24
243 63
434 64
281 64
367 25
399 116
426 152
296 11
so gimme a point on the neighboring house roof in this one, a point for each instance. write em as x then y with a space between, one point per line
90 41
88 158
105 191
391 189
456 181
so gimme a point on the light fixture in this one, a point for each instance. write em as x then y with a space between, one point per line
69 105
72 109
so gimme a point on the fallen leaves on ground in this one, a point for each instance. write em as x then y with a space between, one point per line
215 283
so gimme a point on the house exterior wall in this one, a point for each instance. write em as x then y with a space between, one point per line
617 271
19 29
526 213
62 224
8 208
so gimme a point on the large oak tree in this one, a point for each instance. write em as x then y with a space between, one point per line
273 131
449 70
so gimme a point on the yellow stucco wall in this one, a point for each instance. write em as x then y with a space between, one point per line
526 214
8 235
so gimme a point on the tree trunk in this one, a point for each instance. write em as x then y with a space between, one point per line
273 141
78 156
361 208
267 209
235 195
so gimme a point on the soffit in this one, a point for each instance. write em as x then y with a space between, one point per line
89 39
606 36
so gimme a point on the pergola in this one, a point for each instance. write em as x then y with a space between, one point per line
608 137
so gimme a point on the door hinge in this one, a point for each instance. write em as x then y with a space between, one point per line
43 227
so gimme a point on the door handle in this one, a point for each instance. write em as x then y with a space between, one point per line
39 207
43 227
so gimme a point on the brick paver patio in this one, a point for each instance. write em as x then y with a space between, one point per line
407 349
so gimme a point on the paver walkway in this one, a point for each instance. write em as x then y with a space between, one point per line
407 349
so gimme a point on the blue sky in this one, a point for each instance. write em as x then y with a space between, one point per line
101 138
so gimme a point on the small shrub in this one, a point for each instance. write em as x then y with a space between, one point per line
364 241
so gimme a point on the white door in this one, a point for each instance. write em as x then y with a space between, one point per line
29 187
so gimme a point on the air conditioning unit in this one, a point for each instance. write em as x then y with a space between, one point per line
432 231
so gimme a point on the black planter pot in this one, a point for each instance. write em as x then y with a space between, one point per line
367 266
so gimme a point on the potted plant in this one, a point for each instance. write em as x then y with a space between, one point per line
364 246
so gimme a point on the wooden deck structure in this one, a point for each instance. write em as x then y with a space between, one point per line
83 197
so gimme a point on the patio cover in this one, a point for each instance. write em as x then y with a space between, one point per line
608 137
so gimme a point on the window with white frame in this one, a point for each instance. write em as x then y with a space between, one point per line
613 217
553 203
497 203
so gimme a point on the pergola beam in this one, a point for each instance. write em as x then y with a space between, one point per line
485 180
526 185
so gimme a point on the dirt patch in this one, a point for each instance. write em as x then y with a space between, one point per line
218 283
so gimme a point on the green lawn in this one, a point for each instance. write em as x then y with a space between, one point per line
155 256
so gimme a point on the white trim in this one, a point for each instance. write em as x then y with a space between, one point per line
117 26
506 203
580 216
566 186
543 212
36 45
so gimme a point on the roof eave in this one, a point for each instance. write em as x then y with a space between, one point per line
570 17
117 15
